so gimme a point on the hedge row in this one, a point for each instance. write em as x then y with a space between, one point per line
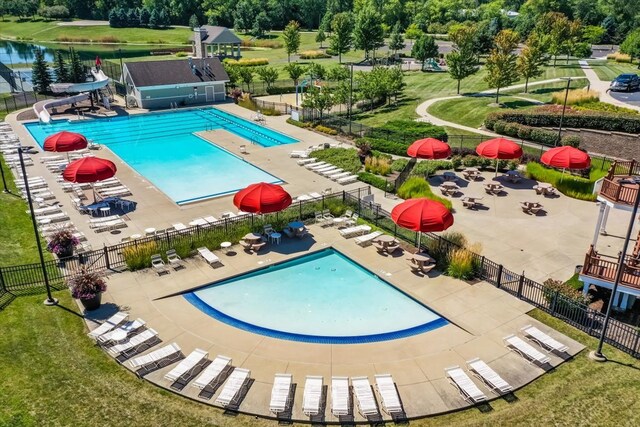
530 133
598 120
376 181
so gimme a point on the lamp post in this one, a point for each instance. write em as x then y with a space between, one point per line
350 93
597 355
4 181
564 107
50 299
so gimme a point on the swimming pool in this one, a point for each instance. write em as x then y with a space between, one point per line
163 148
323 297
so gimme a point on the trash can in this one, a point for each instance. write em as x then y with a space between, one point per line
578 269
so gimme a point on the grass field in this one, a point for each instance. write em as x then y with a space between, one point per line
17 241
609 70
471 111
53 375
542 92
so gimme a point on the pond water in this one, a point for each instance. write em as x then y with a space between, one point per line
12 52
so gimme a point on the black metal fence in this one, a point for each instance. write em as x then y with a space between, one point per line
16 280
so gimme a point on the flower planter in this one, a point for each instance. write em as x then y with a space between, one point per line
92 303
66 253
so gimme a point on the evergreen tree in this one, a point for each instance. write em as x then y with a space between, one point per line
341 39
76 69
114 18
122 17
501 63
396 41
41 79
193 22
424 48
368 34
531 59
153 18
60 67
144 17
133 19
163 19
291 37
320 37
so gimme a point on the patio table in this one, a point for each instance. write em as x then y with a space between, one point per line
385 239
449 176
252 237
422 257
296 224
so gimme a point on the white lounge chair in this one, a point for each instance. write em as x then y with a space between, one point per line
347 179
332 172
280 393
210 219
299 154
337 176
103 219
185 366
171 351
209 256
354 231
198 221
45 211
233 385
53 217
174 259
325 169
227 215
179 227
312 395
467 388
543 340
364 396
339 396
318 167
109 225
524 349
158 264
109 324
115 191
488 376
315 195
306 161
133 343
127 327
212 372
368 238
311 166
388 393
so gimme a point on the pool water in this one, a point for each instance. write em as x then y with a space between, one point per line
163 148
322 297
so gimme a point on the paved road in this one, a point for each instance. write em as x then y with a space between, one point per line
621 99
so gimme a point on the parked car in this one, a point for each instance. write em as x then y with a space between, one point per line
626 82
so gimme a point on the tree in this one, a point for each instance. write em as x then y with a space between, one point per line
53 12
41 79
461 61
316 71
76 69
318 99
557 28
268 75
368 34
501 63
261 24
114 18
144 17
631 44
396 41
244 15
531 59
412 32
291 37
320 37
295 71
341 39
193 22
338 73
233 71
133 18
153 18
592 34
246 75
424 48
163 19
60 68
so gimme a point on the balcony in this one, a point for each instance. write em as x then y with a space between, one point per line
612 190
604 267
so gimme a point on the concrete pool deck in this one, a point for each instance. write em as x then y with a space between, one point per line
480 317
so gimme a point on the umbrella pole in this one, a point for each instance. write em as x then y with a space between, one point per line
497 160
419 236
562 176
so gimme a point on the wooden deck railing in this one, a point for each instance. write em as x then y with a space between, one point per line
605 267
614 191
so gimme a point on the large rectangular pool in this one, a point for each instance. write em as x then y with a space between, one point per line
162 147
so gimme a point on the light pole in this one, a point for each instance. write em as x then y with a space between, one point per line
597 355
4 181
350 93
564 107
50 299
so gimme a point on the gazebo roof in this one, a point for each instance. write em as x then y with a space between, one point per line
218 35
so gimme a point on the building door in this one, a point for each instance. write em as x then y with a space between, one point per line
209 92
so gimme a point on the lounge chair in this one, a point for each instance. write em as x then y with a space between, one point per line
212 372
180 227
227 215
52 217
367 238
209 256
184 368
325 169
198 221
115 191
108 225
306 161
543 340
332 172
339 396
388 393
354 231
488 376
109 324
46 210
233 385
340 176
174 259
347 179
171 351
312 395
364 396
134 344
525 350
299 154
128 327
467 388
158 264
99 220
350 222
280 393
314 165
210 219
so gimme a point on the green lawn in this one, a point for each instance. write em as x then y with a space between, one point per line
17 241
609 70
471 111
542 92
52 374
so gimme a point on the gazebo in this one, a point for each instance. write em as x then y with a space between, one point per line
209 40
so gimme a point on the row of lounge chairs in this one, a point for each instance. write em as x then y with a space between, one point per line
329 171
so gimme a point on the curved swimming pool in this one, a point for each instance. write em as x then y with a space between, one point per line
323 297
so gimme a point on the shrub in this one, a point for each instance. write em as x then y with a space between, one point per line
278 90
619 57
524 132
440 248
314 54
299 124
407 131
246 62
511 129
250 104
376 181
415 187
182 54
326 130
377 165
543 136
427 168
344 158
391 147
571 141
575 96
603 106
462 262
398 165
567 184
139 256
272 44
552 286
498 126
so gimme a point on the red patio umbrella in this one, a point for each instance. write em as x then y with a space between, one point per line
89 169
262 198
566 158
63 142
499 149
429 148
422 215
